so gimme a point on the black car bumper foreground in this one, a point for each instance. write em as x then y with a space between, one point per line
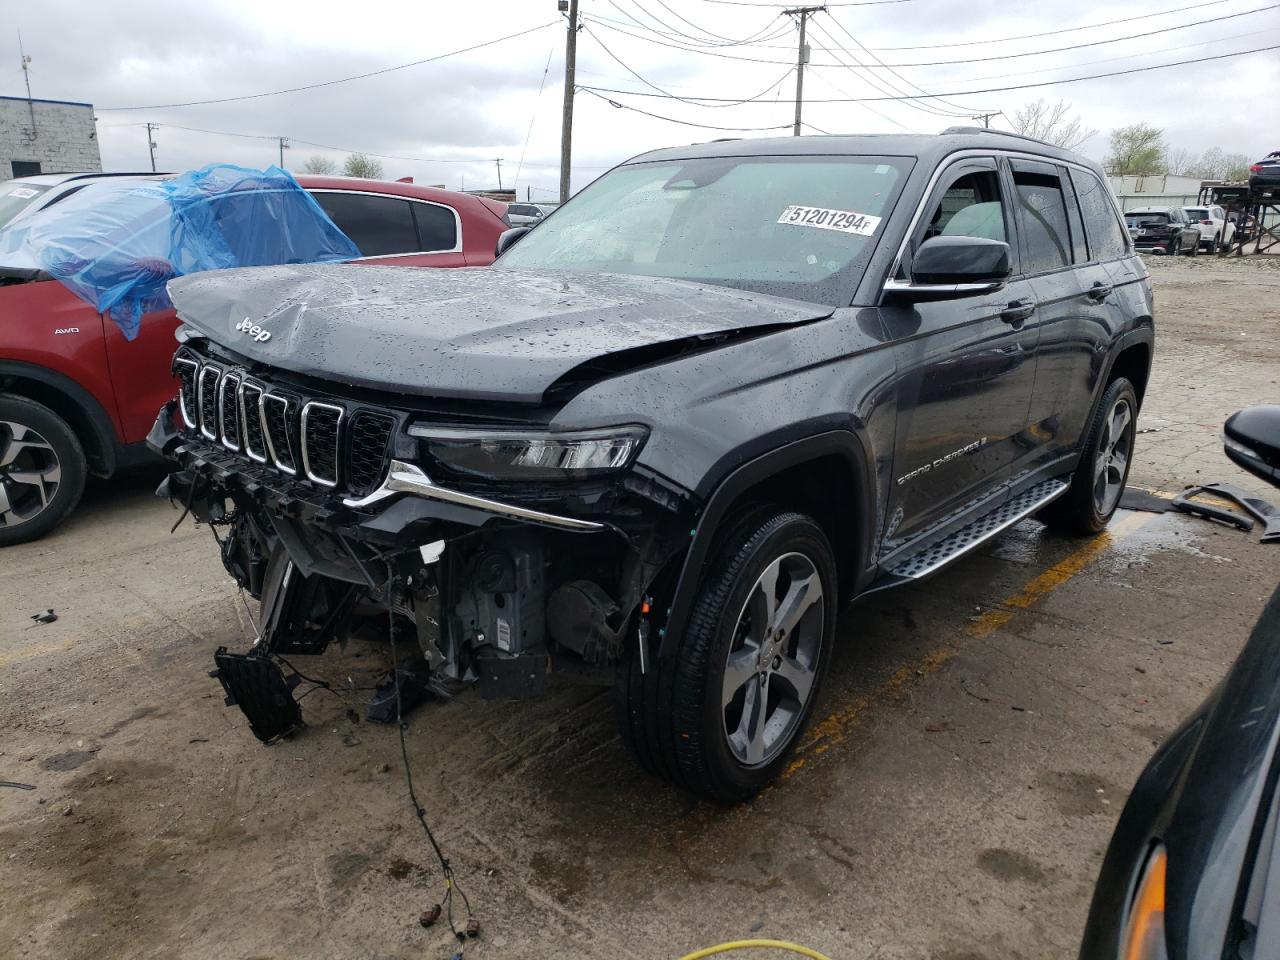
481 589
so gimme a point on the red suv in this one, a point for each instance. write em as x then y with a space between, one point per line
77 398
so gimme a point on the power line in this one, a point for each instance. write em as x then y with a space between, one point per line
946 63
326 146
965 93
1051 33
533 114
866 106
767 6
653 86
329 83
914 86
673 31
887 86
683 123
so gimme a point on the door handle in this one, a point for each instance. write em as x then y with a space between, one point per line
1099 291
1017 311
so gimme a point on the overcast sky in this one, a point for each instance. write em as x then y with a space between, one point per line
485 104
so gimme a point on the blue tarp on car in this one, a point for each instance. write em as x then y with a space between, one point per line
116 244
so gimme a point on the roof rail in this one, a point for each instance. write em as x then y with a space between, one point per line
83 175
999 133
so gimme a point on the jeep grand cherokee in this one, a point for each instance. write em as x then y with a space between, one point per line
674 429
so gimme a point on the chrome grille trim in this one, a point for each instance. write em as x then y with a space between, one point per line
228 379
207 372
285 464
187 401
337 436
252 408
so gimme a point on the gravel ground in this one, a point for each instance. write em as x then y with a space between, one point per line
978 737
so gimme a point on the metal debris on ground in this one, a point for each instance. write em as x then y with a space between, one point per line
48 616
16 786
1254 506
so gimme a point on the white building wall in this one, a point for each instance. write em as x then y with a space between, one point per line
64 138
1160 190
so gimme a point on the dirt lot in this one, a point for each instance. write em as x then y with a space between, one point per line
978 737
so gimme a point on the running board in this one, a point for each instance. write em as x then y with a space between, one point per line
932 558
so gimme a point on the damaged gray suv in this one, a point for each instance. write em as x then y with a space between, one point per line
672 431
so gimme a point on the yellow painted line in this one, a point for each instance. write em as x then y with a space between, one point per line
835 728
1054 577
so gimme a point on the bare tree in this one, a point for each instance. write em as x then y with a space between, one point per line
319 165
1051 122
359 165
1179 161
1136 150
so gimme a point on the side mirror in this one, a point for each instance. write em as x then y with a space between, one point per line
947 267
508 239
1252 440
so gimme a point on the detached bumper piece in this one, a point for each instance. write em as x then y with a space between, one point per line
262 692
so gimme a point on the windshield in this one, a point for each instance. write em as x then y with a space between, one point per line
16 196
800 227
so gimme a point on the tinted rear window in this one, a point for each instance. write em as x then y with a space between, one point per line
1197 213
1135 219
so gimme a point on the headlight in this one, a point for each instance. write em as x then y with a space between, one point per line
1144 931
532 455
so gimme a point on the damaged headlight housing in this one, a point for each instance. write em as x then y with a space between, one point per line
532 454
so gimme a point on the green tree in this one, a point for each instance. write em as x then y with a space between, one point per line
359 165
1136 150
320 166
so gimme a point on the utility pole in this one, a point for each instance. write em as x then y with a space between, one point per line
26 75
566 122
151 143
986 118
284 145
498 161
802 57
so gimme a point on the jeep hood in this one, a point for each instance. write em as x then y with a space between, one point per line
480 332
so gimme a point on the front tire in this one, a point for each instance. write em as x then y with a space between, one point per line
723 715
1099 481
42 470
1195 248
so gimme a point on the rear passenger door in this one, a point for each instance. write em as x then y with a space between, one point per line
396 231
1074 317
965 368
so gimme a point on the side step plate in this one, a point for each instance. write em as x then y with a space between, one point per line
932 558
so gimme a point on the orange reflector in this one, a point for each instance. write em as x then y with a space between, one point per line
645 608
1144 939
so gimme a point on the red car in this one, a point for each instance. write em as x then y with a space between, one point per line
76 398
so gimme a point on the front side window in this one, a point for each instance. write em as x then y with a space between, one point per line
1042 221
969 207
800 227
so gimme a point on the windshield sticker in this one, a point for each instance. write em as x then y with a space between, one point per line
846 221
22 193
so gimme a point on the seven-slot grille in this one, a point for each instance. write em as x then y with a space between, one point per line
298 436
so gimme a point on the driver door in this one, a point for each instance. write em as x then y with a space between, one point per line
965 367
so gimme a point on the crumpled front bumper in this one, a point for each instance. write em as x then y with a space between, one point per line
323 531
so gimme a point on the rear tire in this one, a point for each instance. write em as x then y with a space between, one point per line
722 716
42 470
1173 247
1099 481
1195 248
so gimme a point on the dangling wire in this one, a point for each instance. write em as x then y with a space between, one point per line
450 884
